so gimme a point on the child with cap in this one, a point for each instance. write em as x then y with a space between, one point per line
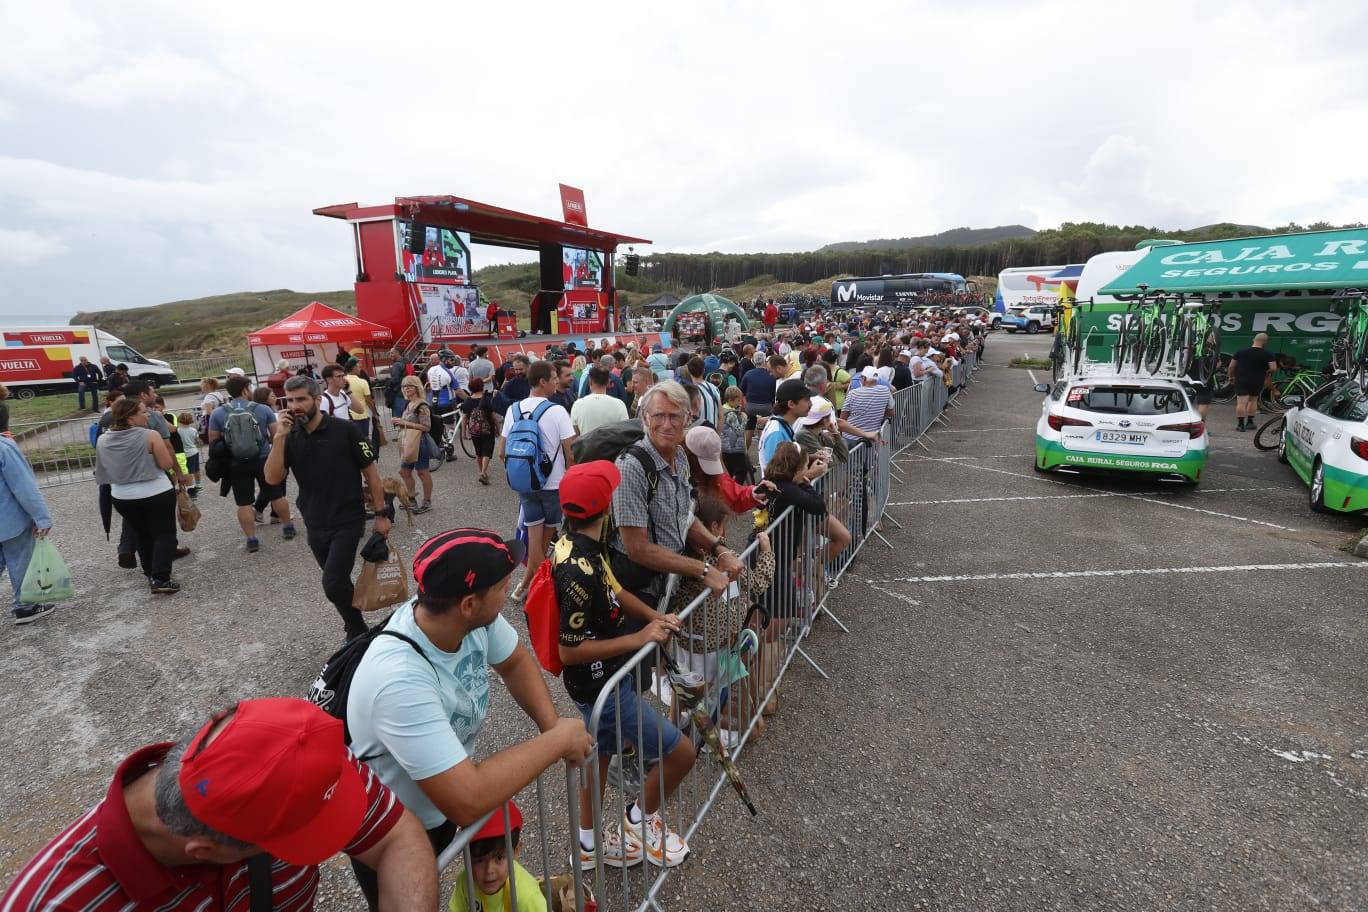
594 644
490 866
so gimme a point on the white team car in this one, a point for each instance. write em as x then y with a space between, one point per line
1120 424
1325 441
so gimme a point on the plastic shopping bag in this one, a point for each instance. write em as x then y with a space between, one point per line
47 579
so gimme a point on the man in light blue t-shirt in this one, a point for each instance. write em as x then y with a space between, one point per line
417 704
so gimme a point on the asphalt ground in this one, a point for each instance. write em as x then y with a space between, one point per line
997 733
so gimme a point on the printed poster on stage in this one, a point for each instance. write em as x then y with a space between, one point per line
452 311
445 258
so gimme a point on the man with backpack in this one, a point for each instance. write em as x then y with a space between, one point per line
447 393
419 694
653 506
535 448
245 428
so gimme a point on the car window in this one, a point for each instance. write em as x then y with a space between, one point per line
1349 405
1127 400
1324 398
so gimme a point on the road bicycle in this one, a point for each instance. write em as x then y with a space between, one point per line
1142 339
1298 381
1197 347
1350 350
454 430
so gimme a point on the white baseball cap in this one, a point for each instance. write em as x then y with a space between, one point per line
869 373
235 372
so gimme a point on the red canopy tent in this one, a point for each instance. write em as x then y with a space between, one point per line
311 336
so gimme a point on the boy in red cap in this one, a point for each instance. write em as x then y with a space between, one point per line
181 824
594 644
489 869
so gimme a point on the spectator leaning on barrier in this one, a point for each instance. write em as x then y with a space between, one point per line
595 642
329 457
24 517
653 506
867 406
417 703
265 790
819 430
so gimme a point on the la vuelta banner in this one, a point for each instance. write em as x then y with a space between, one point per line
35 363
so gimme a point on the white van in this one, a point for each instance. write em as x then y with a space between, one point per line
39 359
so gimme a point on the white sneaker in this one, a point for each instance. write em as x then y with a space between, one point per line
617 852
730 739
664 847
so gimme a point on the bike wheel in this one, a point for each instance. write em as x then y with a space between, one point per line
1270 401
1139 343
1185 349
1057 358
467 445
1071 345
1270 433
1340 354
1121 348
1154 351
1211 353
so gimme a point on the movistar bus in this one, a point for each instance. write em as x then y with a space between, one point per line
896 290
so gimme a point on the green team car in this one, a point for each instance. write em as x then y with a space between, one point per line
1325 441
1120 424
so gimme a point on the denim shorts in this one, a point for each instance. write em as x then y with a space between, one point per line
426 450
541 508
658 735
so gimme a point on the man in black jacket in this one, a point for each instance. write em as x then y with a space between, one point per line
88 379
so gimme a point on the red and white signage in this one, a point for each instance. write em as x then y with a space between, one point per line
572 205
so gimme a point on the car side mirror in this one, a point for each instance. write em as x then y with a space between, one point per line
1042 387
1292 401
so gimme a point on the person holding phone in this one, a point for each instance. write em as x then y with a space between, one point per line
818 433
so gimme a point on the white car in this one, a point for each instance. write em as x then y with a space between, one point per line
1325 441
1029 319
1120 424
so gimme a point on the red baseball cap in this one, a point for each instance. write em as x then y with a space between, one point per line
277 776
587 488
494 826
461 561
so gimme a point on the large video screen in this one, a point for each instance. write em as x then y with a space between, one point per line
444 255
581 268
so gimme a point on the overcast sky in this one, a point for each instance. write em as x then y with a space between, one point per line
151 151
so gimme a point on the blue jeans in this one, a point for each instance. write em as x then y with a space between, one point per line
81 390
658 735
14 559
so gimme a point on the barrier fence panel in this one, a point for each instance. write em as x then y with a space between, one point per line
61 452
199 368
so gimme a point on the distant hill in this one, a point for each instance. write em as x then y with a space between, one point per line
955 237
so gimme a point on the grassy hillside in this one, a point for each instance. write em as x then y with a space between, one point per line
207 325
964 237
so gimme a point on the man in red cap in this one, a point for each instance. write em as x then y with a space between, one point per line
237 816
415 713
596 640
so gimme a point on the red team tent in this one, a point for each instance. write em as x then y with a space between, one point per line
311 336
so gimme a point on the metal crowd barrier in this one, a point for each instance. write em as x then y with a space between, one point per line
61 453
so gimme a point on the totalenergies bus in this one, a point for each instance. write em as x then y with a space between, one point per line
1026 286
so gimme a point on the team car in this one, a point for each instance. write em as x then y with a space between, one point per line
1325 441
1120 424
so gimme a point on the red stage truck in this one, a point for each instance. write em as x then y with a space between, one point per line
39 359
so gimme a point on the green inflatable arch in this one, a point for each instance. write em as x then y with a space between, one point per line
715 307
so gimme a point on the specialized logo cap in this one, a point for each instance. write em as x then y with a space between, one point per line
461 561
277 776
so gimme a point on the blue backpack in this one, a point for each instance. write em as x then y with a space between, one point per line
526 464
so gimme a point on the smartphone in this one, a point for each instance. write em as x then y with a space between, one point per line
824 454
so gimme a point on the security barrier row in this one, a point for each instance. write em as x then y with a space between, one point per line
716 677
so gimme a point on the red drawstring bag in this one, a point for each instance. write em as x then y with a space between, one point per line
542 610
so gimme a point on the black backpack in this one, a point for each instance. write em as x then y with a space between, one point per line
333 684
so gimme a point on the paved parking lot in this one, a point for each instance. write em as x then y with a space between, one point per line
1057 693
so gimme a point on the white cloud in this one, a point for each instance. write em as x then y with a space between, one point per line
182 146
20 245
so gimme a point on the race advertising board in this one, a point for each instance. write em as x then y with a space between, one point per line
452 312
445 258
581 268
56 336
691 325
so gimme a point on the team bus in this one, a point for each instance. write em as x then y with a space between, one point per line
897 290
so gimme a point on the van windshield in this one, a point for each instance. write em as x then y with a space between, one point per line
1127 400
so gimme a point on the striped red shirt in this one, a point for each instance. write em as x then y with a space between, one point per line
98 863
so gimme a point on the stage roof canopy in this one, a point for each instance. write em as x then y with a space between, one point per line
317 322
486 224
